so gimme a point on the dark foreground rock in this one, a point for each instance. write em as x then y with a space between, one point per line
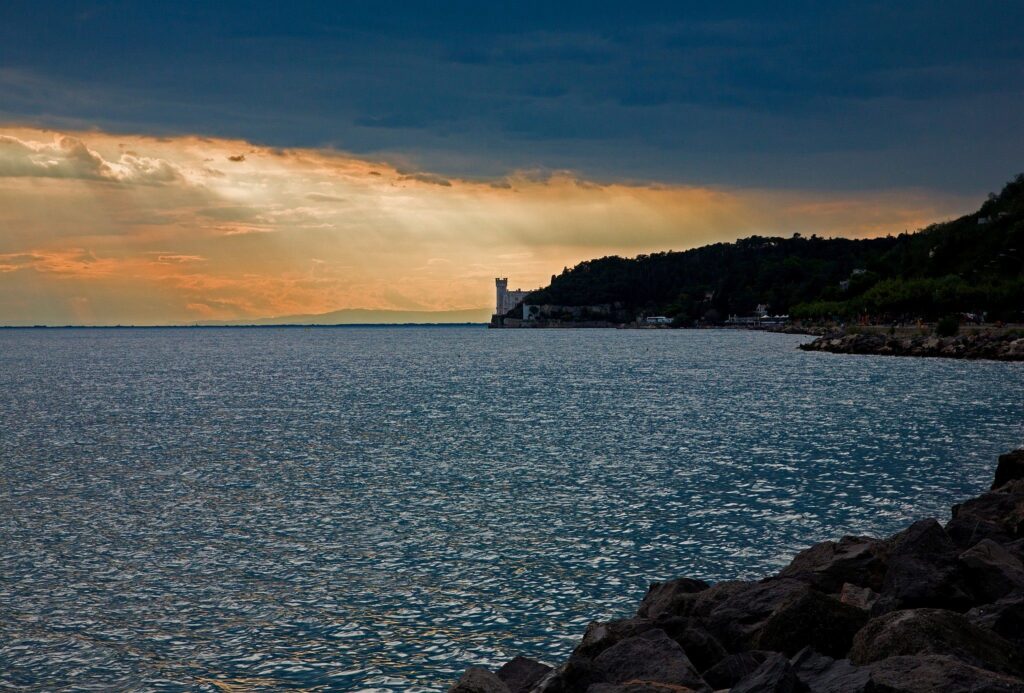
477 680
994 345
520 674
1010 468
937 632
935 674
775 675
931 608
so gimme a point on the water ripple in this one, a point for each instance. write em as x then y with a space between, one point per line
376 509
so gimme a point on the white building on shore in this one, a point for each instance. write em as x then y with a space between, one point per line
507 300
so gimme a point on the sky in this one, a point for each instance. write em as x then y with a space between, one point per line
175 162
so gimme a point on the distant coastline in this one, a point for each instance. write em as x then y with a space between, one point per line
992 343
969 270
290 326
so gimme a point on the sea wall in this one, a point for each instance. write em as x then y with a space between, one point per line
996 345
933 608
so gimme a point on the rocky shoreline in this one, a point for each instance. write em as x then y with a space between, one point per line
932 608
998 346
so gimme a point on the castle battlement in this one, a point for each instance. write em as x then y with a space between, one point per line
507 300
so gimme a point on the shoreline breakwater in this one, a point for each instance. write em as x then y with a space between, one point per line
932 608
1006 345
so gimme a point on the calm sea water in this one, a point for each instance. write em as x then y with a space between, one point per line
376 509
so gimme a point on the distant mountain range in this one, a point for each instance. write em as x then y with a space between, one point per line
971 264
362 316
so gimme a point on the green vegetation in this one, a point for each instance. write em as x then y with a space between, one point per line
974 264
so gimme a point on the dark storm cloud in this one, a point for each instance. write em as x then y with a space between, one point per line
848 95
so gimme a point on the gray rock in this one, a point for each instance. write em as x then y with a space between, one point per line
923 571
991 570
996 515
703 603
992 345
601 635
1004 617
521 674
576 674
775 675
822 674
1010 467
811 618
675 599
671 598
650 656
732 669
1016 548
639 687
477 680
1014 351
859 597
937 674
938 632
857 560
700 646
738 619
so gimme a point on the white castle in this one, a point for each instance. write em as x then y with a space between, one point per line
507 300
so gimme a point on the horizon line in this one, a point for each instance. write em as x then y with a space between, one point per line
242 326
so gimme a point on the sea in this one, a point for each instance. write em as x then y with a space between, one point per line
377 508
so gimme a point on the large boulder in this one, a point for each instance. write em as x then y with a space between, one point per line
477 680
997 515
1016 548
703 603
737 619
732 669
650 656
923 571
992 571
671 598
521 674
937 674
700 646
574 676
1010 467
811 618
859 597
639 687
601 635
775 675
938 632
860 561
1004 617
822 674
686 598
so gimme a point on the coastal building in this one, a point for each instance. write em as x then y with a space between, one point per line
760 318
755 321
507 300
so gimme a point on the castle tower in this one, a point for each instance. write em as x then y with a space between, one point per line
501 284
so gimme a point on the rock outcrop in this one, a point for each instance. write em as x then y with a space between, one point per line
931 608
995 345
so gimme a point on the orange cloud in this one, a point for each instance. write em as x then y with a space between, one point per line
167 230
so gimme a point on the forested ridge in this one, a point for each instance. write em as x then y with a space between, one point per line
974 264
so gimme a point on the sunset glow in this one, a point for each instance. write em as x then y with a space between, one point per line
102 228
